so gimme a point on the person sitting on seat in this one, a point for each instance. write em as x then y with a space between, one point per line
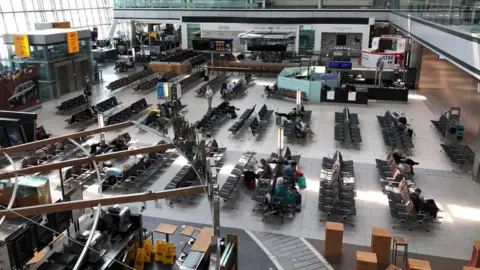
111 174
231 110
401 158
211 145
284 195
152 117
290 174
119 144
266 171
249 179
429 206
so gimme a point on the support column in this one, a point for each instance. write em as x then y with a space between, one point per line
416 60
133 34
476 161
320 4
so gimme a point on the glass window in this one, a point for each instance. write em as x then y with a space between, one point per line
58 5
17 5
83 17
80 4
39 17
50 17
29 5
67 15
90 18
6 6
21 22
8 17
47 5
75 19
59 15
87 3
72 3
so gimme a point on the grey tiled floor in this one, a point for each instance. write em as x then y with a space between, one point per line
456 193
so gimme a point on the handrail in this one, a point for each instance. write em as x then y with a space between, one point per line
15 188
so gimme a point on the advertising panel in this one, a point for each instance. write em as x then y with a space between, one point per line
22 47
19 90
72 41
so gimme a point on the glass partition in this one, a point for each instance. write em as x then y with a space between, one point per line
455 14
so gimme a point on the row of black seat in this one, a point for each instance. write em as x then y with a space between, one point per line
152 83
129 112
215 83
119 143
341 116
240 87
51 151
198 59
392 136
388 171
89 114
235 175
287 157
275 92
241 120
184 178
346 129
190 81
258 126
72 104
129 79
459 154
441 125
179 56
212 119
137 173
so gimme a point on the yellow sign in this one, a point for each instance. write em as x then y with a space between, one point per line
72 41
22 47
61 25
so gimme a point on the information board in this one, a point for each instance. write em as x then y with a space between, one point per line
22 47
160 90
72 41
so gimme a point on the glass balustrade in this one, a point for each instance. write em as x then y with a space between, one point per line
188 4
464 18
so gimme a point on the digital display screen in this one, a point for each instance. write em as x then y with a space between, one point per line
212 44
341 40
122 49
340 65
14 135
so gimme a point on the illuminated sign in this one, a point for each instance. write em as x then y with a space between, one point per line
72 41
340 65
22 47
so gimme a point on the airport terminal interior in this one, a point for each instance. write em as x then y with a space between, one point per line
240 134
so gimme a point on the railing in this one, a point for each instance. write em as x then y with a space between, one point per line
458 17
240 4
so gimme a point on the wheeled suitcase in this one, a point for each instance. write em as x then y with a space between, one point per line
298 197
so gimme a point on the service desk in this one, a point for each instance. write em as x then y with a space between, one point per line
388 94
343 96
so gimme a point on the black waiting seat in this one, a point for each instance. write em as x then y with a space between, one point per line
241 121
215 83
459 154
129 79
394 137
129 112
72 104
441 124
341 116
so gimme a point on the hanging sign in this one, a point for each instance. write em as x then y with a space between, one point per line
22 47
72 41
61 25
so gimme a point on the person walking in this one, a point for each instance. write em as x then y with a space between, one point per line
209 95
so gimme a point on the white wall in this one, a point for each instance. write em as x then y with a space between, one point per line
364 29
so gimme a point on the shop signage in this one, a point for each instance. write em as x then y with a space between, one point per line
61 25
370 60
22 47
72 42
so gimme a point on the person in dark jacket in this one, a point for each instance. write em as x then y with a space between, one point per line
421 204
401 158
